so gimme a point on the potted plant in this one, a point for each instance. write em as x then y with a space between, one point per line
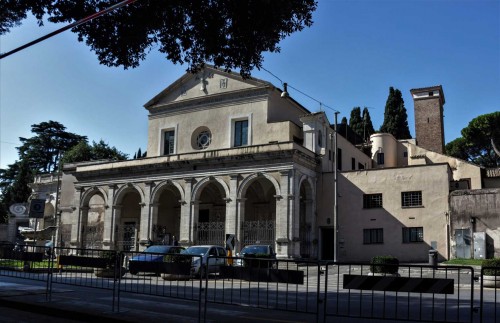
491 272
112 264
384 265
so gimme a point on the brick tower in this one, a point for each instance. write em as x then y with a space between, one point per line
428 105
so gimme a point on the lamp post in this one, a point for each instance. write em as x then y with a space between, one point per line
335 183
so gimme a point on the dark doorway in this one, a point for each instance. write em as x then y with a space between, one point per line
204 215
327 243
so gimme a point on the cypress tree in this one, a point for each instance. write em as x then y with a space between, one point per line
395 117
368 129
355 122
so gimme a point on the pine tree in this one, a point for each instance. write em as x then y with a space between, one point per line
139 153
395 117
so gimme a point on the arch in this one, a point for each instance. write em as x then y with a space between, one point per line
310 190
198 188
87 195
245 184
156 193
124 189
306 217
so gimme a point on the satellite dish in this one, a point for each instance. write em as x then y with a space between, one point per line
18 209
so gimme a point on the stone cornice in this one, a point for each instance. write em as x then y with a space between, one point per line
202 103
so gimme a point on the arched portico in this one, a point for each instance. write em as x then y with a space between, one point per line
127 217
208 203
306 219
166 203
257 209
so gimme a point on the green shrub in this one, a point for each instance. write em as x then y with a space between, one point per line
495 262
384 264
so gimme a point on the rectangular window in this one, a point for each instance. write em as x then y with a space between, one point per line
411 199
339 159
168 142
240 133
353 164
373 236
372 201
411 235
380 158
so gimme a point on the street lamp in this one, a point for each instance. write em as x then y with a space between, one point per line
335 204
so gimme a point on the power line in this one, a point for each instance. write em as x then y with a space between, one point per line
75 24
321 104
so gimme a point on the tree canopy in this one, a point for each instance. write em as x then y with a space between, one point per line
229 34
97 151
41 154
475 145
395 117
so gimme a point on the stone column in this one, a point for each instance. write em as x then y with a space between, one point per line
146 227
240 209
109 220
282 216
193 232
117 232
185 238
231 206
76 227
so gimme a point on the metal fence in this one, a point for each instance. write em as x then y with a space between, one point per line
489 304
327 291
412 293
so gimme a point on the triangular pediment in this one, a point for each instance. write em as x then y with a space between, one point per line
207 82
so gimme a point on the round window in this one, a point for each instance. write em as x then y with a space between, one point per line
203 139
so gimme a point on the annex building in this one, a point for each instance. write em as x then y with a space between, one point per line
227 156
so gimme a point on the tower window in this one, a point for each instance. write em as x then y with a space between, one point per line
431 93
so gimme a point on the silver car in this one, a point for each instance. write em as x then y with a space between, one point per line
203 265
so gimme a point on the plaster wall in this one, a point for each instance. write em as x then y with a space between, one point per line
431 180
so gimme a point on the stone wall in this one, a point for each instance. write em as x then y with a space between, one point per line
478 210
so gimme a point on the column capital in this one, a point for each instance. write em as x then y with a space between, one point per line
227 199
195 202
242 199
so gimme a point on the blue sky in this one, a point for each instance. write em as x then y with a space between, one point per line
350 57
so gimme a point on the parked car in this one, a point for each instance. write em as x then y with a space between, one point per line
257 251
154 253
201 266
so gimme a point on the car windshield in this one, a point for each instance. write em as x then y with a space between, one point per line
195 250
255 250
157 249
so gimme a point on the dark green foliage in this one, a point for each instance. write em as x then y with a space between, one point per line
343 121
384 264
475 145
98 151
139 153
355 121
368 129
230 34
14 183
395 117
43 150
495 262
41 154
